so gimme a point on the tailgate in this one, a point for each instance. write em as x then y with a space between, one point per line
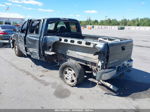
119 52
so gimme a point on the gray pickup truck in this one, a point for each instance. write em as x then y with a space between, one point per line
61 40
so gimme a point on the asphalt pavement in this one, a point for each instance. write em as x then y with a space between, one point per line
26 83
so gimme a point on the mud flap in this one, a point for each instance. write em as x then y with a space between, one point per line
105 74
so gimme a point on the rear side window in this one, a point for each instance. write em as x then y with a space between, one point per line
51 26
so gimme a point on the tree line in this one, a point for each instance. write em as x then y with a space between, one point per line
115 22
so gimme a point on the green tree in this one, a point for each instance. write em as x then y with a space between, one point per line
95 22
123 22
1 22
114 22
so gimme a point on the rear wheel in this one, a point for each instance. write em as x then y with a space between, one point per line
17 50
71 73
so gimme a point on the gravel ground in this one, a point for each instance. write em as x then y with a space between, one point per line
30 84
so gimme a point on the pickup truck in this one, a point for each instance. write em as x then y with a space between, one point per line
61 40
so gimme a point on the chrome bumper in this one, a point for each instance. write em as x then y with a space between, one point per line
4 41
107 74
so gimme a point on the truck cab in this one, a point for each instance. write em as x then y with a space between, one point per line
31 35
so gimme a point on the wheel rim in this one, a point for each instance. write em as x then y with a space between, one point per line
70 76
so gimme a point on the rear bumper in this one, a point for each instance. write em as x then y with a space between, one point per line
4 41
114 72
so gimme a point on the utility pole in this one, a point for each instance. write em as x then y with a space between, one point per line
6 10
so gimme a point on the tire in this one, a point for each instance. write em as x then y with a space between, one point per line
1 44
71 73
17 51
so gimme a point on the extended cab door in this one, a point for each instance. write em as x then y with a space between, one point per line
33 38
21 37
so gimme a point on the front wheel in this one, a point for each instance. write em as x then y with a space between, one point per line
71 73
17 50
1 44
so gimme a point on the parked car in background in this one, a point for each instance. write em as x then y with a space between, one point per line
121 28
6 31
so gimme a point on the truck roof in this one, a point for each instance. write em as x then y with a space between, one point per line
57 19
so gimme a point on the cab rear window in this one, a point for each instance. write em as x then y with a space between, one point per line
73 27
62 27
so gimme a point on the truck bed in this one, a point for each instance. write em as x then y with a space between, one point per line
84 49
79 49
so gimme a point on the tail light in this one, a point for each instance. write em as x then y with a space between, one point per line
3 33
14 30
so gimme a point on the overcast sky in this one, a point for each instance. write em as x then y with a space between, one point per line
78 9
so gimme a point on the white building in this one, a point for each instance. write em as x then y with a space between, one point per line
12 21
